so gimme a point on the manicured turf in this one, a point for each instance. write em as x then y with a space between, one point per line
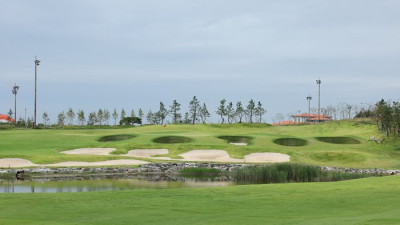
117 137
339 140
236 139
364 201
44 146
290 141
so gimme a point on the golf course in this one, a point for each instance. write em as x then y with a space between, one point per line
344 144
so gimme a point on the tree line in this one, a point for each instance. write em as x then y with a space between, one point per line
387 117
197 113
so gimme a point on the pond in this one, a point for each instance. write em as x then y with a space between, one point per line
105 183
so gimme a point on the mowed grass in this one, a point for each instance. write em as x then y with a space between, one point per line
363 201
44 146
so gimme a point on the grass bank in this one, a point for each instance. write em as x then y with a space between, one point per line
362 201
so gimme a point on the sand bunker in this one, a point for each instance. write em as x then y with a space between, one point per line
148 153
223 156
266 157
16 163
100 163
238 143
90 151
19 163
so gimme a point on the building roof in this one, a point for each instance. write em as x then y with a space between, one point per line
322 116
6 118
286 122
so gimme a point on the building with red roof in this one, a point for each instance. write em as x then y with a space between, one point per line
6 119
304 119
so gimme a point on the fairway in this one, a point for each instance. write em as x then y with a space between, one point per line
364 201
337 143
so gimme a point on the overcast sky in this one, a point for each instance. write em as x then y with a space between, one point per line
134 54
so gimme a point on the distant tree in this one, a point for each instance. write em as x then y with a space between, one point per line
100 116
194 106
230 112
221 111
10 113
123 114
383 116
204 114
115 116
162 113
61 119
46 118
133 113
70 116
250 110
92 119
187 119
106 116
81 117
259 111
239 111
130 121
149 117
141 114
174 111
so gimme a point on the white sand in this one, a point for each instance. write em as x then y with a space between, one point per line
90 151
100 163
148 153
15 163
266 157
238 143
208 155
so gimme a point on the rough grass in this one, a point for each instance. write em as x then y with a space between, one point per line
339 140
117 137
199 172
291 142
362 201
289 172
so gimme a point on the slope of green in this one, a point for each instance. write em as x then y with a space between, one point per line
43 146
364 201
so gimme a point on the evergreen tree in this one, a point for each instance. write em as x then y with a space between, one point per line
174 110
162 113
221 111
106 116
239 111
100 116
115 116
204 114
259 111
61 119
46 118
194 106
81 117
250 110
230 112
70 116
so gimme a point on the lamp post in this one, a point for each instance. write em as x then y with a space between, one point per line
319 100
15 91
309 98
37 62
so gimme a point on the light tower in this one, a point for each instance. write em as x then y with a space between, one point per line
37 62
319 99
309 98
15 92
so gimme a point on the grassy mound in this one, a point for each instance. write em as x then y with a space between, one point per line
236 139
117 137
338 140
291 141
172 140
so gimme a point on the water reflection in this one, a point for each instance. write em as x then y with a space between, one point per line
104 183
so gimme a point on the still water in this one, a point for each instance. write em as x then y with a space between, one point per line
102 183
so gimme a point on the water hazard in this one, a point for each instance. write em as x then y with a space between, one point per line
105 183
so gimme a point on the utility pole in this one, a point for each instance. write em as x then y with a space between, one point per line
37 62
319 99
309 98
15 91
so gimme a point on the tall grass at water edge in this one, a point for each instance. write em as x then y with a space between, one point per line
289 172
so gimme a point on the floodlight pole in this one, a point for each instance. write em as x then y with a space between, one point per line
319 99
15 91
37 62
309 98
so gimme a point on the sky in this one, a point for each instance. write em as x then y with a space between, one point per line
134 54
